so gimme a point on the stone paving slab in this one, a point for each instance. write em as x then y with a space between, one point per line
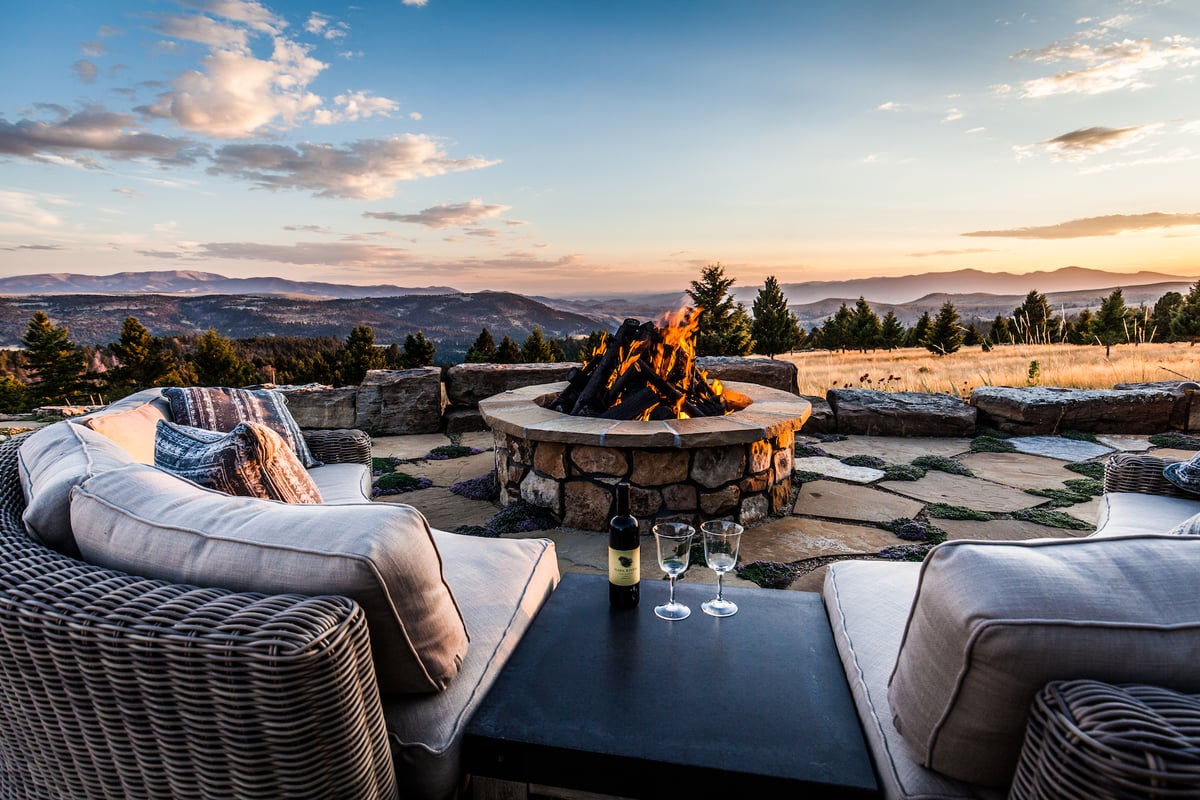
860 503
833 468
959 490
406 446
1084 511
444 509
896 449
1000 529
1058 447
452 470
812 581
1019 470
795 538
1129 444
1174 453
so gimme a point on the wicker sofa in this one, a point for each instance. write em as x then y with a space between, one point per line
114 685
954 651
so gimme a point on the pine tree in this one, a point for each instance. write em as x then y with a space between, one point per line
418 351
1080 331
1111 323
55 364
14 397
144 360
775 328
1185 319
724 325
835 331
1160 317
917 333
361 355
217 363
864 328
971 337
482 350
891 332
945 335
1000 332
508 352
535 349
1034 319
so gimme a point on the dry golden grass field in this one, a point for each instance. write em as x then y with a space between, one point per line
1068 366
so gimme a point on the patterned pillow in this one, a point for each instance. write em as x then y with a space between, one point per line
219 409
251 460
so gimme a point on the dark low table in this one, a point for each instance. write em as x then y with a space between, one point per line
624 703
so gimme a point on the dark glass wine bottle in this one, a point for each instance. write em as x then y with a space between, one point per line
624 554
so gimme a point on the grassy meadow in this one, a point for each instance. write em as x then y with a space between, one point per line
1070 366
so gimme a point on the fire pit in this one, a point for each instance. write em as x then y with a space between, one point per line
734 466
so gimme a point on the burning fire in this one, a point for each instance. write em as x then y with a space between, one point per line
645 371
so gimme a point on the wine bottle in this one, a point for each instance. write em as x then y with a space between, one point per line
624 554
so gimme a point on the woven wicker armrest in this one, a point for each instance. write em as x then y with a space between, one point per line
341 446
1129 472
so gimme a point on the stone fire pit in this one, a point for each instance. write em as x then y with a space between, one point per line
738 466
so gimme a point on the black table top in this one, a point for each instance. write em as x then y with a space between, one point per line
624 703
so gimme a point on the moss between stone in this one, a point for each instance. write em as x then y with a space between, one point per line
943 464
517 517
448 451
902 472
1060 498
382 465
992 433
398 483
1178 441
906 552
802 476
1089 486
485 487
1079 436
809 451
1090 469
991 444
863 460
916 531
946 511
1052 519
768 574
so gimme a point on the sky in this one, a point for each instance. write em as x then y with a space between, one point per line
580 148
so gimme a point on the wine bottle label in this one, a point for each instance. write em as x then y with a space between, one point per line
624 566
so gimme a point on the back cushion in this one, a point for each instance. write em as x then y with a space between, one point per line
147 522
992 622
132 427
251 460
219 409
49 463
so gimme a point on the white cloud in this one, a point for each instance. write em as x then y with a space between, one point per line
952 115
415 116
364 170
317 22
86 70
890 105
24 210
91 130
355 106
350 54
205 30
976 130
1110 225
1125 64
93 49
334 254
248 12
455 215
414 2
130 193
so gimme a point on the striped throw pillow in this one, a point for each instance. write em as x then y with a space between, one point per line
251 460
221 408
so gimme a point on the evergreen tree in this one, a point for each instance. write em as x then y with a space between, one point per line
971 337
482 350
917 333
217 363
508 352
535 349
775 328
1160 317
1034 319
1080 331
724 326
1000 332
14 397
1111 324
143 360
864 327
835 331
1185 318
418 351
945 335
891 332
55 364
361 355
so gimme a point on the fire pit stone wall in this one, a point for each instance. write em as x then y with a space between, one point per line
736 466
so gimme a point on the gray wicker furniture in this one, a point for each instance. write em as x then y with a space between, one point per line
871 610
117 686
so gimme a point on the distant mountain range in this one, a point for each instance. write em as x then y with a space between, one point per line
181 302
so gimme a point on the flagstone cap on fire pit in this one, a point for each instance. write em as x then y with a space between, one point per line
762 413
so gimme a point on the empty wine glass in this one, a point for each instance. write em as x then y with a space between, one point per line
721 541
674 540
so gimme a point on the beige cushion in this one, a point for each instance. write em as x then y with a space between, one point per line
251 460
992 622
147 522
133 428
50 462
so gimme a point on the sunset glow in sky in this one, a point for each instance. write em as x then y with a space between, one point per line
578 147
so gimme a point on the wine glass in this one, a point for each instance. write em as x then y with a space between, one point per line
721 540
674 540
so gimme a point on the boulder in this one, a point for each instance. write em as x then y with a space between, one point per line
771 372
467 384
400 402
821 420
463 419
1186 416
325 407
1046 410
875 413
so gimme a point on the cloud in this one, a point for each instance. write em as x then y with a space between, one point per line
205 30
308 228
354 106
86 70
952 115
889 106
363 170
335 254
418 3
320 24
1109 225
131 193
1079 144
109 30
1125 64
455 215
93 129
248 12
970 251
26 212
34 247
93 49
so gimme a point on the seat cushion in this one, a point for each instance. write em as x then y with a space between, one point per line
992 622
1125 513
147 522
500 584
342 483
220 408
867 603
132 422
50 462
251 460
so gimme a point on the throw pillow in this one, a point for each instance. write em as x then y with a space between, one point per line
251 460
134 429
1184 474
1189 527
219 409
147 522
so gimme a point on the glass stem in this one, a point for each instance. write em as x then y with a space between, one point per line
720 588
672 599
